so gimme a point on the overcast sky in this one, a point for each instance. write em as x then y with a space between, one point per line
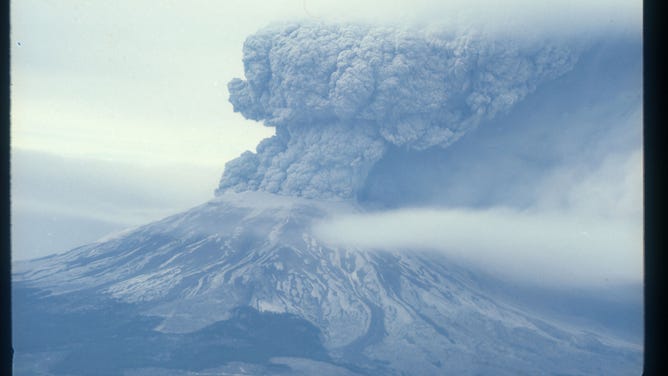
141 82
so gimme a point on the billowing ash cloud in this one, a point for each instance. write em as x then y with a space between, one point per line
339 95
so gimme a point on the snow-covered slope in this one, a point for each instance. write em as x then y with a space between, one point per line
377 312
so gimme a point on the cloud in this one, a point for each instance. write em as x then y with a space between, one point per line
340 94
570 124
589 234
518 17
550 194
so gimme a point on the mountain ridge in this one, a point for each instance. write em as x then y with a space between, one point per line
399 311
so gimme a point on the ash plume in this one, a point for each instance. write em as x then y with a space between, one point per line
340 95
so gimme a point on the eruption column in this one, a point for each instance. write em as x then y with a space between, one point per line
339 95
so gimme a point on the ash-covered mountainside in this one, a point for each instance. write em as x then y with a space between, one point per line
243 285
369 312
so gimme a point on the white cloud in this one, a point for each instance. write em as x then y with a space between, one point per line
590 234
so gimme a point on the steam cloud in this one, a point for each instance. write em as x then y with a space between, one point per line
593 236
340 95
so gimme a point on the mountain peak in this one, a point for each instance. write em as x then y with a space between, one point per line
254 249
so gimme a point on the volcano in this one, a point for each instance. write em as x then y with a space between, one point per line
243 285
242 280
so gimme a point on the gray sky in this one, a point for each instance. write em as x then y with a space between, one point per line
142 82
128 81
